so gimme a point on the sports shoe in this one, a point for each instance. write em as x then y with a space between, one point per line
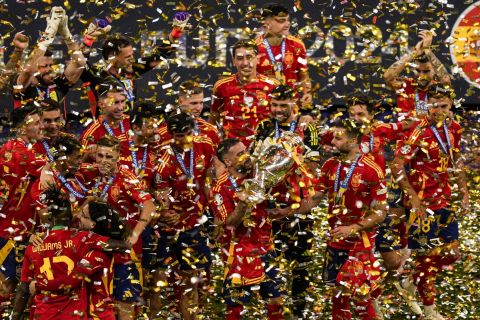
431 313
407 291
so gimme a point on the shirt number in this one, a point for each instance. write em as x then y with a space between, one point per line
47 267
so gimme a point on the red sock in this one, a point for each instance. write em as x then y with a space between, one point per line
445 260
341 307
275 312
424 278
233 312
364 309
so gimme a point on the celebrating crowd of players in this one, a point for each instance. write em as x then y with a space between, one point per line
115 223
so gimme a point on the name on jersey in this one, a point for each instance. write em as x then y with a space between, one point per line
53 246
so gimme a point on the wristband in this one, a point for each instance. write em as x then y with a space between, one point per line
176 33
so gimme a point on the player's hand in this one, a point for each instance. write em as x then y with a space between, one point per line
36 239
95 29
180 20
344 231
46 177
306 99
304 121
278 213
20 41
418 50
417 208
427 37
170 217
132 239
53 22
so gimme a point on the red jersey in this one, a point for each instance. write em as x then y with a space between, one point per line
367 184
60 290
242 106
428 173
187 194
76 191
146 157
249 239
409 97
99 129
19 167
293 61
123 192
202 128
380 135
98 266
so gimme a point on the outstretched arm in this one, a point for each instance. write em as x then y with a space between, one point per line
21 298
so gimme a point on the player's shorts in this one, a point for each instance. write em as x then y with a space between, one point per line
267 287
437 229
354 269
187 250
149 245
293 240
390 235
11 258
128 279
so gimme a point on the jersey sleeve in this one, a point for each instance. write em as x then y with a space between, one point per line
133 188
222 202
217 98
323 184
92 262
91 241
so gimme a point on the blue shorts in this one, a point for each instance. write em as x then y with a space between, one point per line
188 251
389 237
128 280
334 260
11 258
269 288
439 228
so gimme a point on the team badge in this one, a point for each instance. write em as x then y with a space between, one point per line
406 149
356 180
261 95
288 58
115 193
364 147
218 199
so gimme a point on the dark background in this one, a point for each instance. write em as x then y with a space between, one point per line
335 33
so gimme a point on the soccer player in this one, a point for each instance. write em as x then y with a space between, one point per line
12 68
60 291
240 101
190 100
293 234
122 190
248 239
180 177
19 167
143 153
412 92
60 172
101 219
37 80
53 125
431 150
249 252
112 122
356 191
118 53
281 55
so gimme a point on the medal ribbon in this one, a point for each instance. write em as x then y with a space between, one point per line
189 172
293 125
445 148
277 67
371 141
70 187
344 184
420 105
234 183
105 188
47 150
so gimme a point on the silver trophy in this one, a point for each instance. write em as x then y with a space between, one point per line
273 161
